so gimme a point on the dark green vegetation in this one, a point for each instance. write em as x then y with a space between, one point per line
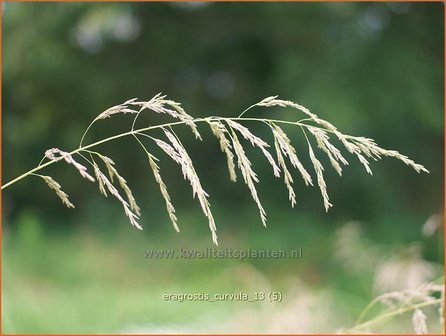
370 69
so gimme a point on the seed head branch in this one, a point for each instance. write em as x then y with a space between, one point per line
225 130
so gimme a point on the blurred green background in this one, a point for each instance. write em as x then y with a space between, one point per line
372 69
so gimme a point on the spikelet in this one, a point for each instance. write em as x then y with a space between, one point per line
189 121
170 209
289 151
121 108
157 104
288 179
332 152
169 150
103 183
249 175
255 142
161 105
55 154
273 101
220 131
112 172
57 188
191 175
419 322
365 147
318 168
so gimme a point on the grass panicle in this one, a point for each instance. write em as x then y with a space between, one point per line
227 131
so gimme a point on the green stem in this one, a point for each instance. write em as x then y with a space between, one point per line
366 310
246 110
379 298
394 313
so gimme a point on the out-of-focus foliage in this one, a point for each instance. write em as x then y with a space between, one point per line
372 69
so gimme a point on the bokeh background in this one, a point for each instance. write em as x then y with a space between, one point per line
372 69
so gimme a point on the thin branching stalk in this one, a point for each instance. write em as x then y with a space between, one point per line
227 131
401 302
385 317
